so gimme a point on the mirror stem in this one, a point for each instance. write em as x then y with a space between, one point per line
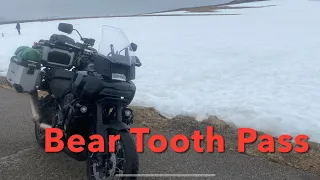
78 33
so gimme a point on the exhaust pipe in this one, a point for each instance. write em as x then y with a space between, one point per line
34 102
44 126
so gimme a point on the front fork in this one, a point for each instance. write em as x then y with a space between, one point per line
103 130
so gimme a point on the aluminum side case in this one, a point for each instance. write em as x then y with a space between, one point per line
23 75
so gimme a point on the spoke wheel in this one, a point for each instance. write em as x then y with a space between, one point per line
123 161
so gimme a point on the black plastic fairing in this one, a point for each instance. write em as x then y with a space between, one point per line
117 64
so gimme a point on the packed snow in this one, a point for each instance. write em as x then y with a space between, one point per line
260 69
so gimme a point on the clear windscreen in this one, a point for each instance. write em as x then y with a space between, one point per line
115 45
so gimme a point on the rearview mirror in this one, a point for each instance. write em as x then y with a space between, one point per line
134 47
66 28
138 62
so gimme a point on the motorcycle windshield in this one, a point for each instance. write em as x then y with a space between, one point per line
115 45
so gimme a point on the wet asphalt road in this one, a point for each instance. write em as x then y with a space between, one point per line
22 159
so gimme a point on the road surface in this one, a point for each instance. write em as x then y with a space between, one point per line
22 159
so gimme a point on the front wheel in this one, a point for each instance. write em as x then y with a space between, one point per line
40 135
123 161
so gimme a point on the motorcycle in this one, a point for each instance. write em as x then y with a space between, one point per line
88 93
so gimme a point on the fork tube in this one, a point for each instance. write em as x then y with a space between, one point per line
101 129
119 112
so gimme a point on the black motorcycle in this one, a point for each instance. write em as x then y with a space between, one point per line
87 93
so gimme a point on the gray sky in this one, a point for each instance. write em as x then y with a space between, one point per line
12 10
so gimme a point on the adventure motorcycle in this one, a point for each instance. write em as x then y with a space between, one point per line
88 93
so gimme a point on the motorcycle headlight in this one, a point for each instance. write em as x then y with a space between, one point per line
127 112
127 116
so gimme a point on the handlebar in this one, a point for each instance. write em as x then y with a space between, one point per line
83 51
63 45
58 45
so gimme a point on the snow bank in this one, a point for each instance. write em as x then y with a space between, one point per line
260 69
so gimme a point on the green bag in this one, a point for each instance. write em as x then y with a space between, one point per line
28 54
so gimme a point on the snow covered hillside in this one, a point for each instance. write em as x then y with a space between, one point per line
260 69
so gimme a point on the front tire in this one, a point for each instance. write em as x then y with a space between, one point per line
48 115
130 165
40 135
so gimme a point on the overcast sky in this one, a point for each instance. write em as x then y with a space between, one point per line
12 10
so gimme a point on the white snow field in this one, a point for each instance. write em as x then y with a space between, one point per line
260 69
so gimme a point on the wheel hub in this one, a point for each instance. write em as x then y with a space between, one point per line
107 172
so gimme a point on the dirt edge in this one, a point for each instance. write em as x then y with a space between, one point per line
151 118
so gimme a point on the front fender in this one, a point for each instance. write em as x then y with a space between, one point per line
117 126
113 127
